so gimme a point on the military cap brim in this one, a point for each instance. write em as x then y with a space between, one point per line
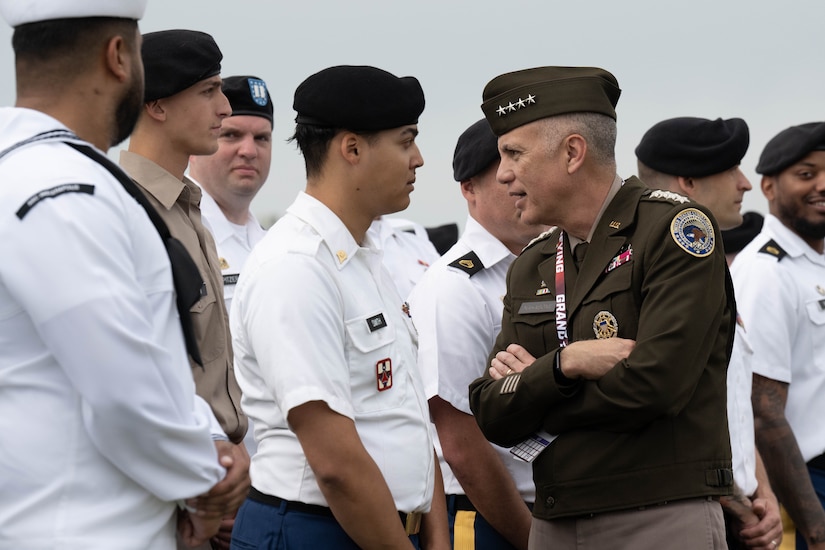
476 149
790 146
518 98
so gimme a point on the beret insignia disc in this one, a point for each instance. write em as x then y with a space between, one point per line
693 231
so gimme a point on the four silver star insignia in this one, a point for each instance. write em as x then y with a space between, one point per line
521 103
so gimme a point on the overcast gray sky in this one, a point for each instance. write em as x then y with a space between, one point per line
761 60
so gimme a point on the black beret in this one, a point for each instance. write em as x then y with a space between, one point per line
477 148
789 146
358 98
694 147
248 95
176 59
515 99
734 240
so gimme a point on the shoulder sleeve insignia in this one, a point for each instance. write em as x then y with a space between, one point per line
693 231
469 263
771 248
33 201
668 196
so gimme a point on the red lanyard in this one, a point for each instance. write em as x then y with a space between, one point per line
561 306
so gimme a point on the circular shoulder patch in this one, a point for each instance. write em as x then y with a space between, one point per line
693 232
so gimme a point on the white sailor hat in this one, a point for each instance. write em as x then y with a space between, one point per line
20 12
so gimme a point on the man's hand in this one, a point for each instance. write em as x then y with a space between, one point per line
767 533
195 530
592 359
222 540
514 359
226 496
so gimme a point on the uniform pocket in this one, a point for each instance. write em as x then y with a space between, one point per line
375 372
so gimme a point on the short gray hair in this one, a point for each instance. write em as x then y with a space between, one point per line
598 130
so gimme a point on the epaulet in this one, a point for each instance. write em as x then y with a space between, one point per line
540 238
667 196
771 248
468 263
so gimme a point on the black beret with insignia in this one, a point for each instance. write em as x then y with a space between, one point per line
176 59
790 146
248 95
694 147
518 98
737 238
477 148
358 98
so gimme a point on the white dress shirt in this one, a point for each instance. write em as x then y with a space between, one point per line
407 250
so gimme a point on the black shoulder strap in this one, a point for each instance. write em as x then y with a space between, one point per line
187 278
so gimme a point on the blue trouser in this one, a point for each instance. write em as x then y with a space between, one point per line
264 527
818 481
469 530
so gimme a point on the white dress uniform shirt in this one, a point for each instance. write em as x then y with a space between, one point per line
458 317
740 412
234 242
407 250
100 427
782 303
315 317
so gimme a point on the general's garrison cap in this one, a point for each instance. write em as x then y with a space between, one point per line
20 12
518 98
737 238
175 59
477 148
789 146
694 147
358 98
248 95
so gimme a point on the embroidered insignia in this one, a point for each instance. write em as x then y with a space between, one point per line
53 192
230 279
692 230
383 374
605 325
469 263
510 383
615 225
625 255
342 256
257 89
771 248
669 195
223 263
376 322
547 306
405 307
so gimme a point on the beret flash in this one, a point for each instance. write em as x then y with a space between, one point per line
789 146
358 98
694 147
173 60
518 98
248 95
477 148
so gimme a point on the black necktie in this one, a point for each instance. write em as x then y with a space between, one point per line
579 252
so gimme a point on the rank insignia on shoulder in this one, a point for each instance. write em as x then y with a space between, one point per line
693 231
383 374
539 238
510 384
668 196
771 248
51 193
469 263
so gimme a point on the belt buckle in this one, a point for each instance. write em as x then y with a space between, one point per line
412 523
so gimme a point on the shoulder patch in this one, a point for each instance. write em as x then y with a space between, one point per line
771 248
540 238
670 196
693 231
469 263
33 201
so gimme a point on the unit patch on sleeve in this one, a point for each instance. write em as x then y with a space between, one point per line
469 263
32 201
771 248
692 230
383 374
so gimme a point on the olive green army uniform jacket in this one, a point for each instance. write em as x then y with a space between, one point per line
654 428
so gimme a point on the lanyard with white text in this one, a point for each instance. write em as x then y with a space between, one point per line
561 307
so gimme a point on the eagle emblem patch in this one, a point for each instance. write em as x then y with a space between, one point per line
692 230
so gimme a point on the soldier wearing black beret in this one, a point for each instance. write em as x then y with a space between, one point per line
609 370
698 158
326 343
